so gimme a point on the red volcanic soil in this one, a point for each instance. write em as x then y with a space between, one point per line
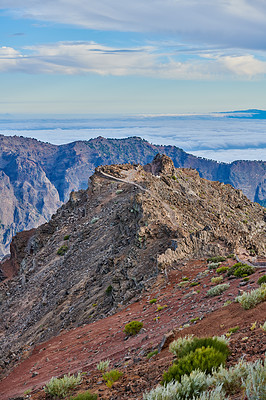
82 348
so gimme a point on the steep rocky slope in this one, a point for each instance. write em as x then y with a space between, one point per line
115 238
36 178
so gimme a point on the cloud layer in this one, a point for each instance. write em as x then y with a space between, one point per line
149 61
231 23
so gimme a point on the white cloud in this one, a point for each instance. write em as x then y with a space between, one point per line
234 23
87 57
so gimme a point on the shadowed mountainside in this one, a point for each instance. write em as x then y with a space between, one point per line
36 177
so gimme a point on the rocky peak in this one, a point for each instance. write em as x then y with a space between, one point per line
161 164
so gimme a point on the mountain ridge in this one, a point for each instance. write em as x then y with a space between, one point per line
37 177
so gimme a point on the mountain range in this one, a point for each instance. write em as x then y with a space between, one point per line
36 177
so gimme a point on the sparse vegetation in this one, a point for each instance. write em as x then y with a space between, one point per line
251 299
160 308
152 353
111 377
263 327
216 290
103 365
217 279
222 269
213 265
66 237
233 330
262 280
152 301
109 290
216 259
205 359
85 396
62 387
241 270
249 379
133 328
63 249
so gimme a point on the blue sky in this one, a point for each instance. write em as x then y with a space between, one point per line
146 56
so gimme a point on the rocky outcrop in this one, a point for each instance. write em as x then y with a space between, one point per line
36 178
108 243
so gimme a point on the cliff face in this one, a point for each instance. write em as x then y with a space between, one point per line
36 178
109 242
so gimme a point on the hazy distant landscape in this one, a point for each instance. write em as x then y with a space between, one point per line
222 136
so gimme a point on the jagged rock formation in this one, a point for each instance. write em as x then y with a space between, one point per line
36 178
114 239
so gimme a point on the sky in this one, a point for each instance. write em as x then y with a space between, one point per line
141 56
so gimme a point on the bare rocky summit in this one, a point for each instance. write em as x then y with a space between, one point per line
36 178
109 243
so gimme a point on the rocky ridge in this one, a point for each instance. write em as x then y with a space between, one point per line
130 226
36 178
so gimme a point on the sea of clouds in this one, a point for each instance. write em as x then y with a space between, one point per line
211 136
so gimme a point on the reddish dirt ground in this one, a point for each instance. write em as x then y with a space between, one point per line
82 348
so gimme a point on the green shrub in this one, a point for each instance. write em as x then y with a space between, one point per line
215 394
216 259
241 270
103 365
133 328
61 387
66 237
233 330
251 299
183 346
109 290
111 377
216 290
85 396
63 249
221 270
152 353
152 301
205 359
262 279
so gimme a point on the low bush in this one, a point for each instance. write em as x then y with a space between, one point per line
66 237
241 270
111 377
133 328
234 330
85 396
183 346
251 299
152 353
231 378
103 365
222 269
262 280
216 259
255 382
216 290
61 387
189 386
63 249
205 359
217 279
263 326
152 301
213 265
109 290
